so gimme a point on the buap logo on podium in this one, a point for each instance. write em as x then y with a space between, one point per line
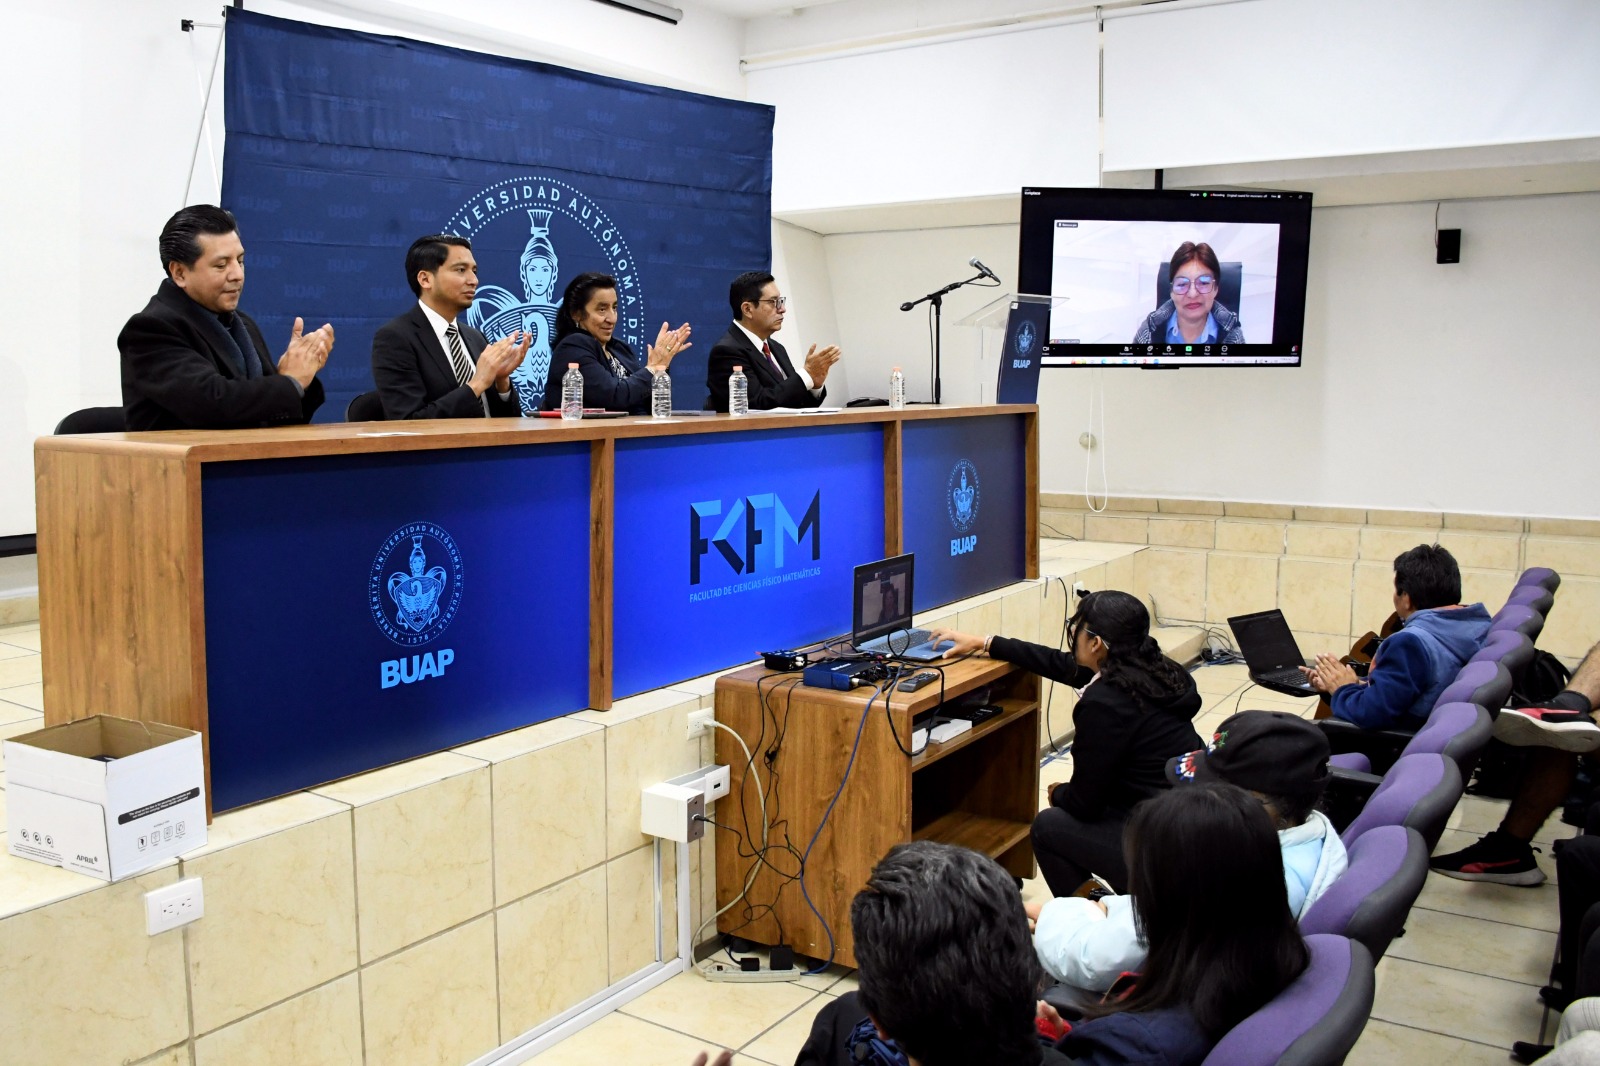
413 593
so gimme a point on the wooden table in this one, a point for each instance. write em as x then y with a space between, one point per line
980 791
159 561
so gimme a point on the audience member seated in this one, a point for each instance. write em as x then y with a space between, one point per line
613 377
946 969
1206 874
1135 710
1279 758
1437 636
1559 730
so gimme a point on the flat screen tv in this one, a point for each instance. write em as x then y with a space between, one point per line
1106 257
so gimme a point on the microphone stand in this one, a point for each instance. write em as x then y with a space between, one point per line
937 299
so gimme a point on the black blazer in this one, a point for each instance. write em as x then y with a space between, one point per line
176 375
767 390
601 386
414 376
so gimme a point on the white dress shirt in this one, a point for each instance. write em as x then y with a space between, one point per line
799 368
440 324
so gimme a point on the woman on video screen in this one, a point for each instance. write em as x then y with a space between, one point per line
1191 314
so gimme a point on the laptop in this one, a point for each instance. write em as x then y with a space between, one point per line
1272 654
880 622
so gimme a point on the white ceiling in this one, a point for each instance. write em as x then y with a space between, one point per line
747 9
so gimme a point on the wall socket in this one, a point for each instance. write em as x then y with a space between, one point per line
172 906
700 722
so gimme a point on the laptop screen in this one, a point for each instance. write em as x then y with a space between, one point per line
882 599
1265 641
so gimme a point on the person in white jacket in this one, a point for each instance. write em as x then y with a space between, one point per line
1282 759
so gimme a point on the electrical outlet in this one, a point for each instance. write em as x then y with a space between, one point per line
172 906
1080 589
700 722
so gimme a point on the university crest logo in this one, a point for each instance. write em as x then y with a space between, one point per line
961 495
414 586
1027 339
515 227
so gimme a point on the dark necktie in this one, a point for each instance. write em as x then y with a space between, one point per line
460 363
776 369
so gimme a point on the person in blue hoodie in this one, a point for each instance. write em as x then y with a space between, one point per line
1278 757
1437 636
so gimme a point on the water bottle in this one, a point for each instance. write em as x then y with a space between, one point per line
738 392
897 389
661 396
571 394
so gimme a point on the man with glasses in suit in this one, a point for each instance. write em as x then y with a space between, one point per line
774 381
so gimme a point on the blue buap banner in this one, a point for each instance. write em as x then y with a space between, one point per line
344 147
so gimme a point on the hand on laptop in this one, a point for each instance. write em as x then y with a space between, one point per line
962 643
1329 675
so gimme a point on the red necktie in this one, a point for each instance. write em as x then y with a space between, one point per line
776 369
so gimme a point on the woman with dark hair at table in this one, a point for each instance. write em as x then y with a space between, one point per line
1191 313
1135 711
613 377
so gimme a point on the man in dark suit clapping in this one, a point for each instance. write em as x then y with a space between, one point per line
426 363
192 360
774 381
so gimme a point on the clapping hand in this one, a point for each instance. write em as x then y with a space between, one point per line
818 363
306 353
496 362
669 342
723 1058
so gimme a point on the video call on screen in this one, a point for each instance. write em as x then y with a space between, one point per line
1103 257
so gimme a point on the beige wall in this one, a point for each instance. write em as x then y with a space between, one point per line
1331 569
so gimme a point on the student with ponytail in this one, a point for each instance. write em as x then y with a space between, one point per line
1135 711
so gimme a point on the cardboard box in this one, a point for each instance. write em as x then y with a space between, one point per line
104 796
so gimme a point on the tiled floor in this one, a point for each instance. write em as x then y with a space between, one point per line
1458 987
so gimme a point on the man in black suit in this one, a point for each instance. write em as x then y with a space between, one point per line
758 310
192 360
428 365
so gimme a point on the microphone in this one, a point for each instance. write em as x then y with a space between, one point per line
908 305
985 271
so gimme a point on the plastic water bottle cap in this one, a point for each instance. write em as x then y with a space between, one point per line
897 370
737 369
574 366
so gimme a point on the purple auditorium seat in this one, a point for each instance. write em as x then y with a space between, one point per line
1535 596
1542 576
1370 900
1507 647
1351 760
1419 792
1457 731
1488 684
1524 620
1313 1022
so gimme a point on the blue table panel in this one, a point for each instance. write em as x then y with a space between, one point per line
963 505
361 610
728 545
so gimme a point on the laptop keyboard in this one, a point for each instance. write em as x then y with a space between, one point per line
1291 676
901 640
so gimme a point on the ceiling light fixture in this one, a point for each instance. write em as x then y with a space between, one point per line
648 8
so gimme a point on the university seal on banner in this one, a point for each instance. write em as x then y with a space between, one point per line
1027 338
961 495
536 215
414 586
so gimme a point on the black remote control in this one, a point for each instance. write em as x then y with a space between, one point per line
916 681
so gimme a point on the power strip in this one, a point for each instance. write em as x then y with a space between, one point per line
713 969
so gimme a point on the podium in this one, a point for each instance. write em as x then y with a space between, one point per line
1013 330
